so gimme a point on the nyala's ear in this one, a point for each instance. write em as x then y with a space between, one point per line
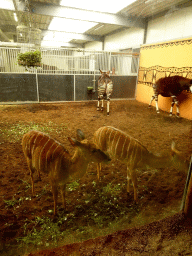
100 71
80 135
108 72
74 142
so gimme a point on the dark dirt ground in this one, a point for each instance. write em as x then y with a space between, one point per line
160 191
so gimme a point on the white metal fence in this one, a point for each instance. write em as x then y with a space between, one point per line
72 61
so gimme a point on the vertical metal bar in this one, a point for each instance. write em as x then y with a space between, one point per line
186 186
37 84
109 64
94 73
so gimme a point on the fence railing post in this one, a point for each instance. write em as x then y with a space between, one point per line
74 88
37 85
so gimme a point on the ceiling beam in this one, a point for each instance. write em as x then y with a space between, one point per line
85 15
74 35
72 45
65 45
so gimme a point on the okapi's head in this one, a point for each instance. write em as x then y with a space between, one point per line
185 83
104 77
190 87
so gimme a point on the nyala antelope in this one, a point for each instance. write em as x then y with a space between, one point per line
105 89
119 145
171 87
44 154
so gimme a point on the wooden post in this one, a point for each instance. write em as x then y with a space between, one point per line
187 196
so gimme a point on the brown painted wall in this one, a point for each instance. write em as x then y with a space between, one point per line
165 59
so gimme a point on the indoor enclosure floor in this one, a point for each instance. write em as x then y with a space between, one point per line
93 208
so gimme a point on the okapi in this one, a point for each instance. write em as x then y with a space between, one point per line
171 87
121 146
105 89
44 154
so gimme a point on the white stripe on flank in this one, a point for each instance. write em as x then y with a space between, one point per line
55 149
135 153
41 153
117 144
100 136
48 152
34 143
140 158
123 146
28 144
112 144
38 134
110 141
130 157
130 141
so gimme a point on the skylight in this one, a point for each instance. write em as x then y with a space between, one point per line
69 25
57 36
7 4
99 5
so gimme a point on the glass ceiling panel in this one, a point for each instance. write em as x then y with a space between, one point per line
57 36
69 25
99 5
7 4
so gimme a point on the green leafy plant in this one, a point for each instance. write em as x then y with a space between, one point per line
11 203
29 59
15 132
72 186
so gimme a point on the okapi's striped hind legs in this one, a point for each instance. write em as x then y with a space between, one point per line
102 105
98 104
174 101
154 97
105 89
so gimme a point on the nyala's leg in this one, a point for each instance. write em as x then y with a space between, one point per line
98 171
55 196
131 176
32 170
63 189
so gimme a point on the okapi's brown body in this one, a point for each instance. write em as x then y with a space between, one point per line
171 86
44 154
119 145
